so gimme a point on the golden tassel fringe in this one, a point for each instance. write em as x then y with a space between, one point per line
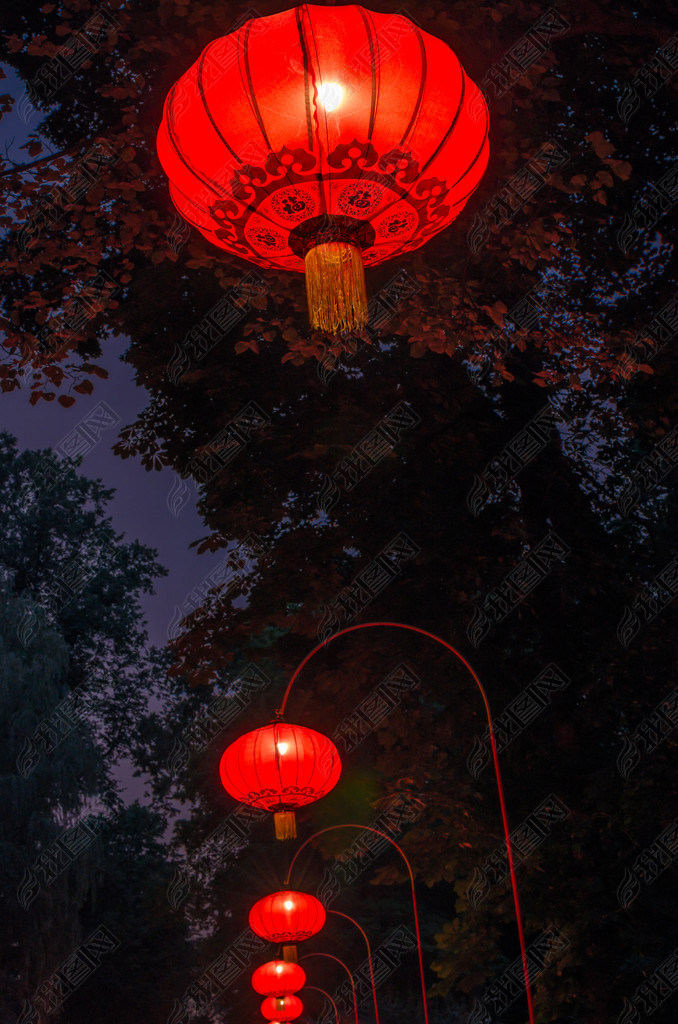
335 287
285 825
290 954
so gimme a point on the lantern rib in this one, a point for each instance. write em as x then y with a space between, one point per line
374 99
201 90
375 86
495 758
478 155
304 55
254 760
297 760
441 145
414 119
277 755
250 89
175 146
313 114
319 73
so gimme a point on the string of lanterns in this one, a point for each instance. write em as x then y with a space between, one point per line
279 767
278 980
289 916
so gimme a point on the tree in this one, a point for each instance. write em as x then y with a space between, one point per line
73 674
130 902
47 784
60 552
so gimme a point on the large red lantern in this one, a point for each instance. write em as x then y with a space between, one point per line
281 1009
324 139
279 767
278 978
287 917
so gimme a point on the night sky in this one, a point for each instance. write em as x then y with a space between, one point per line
143 504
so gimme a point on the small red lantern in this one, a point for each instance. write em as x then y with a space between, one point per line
278 978
279 767
287 917
281 1009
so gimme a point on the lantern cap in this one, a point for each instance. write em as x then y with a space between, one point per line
330 228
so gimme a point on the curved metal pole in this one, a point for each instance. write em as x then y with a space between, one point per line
495 758
367 828
350 977
369 957
314 988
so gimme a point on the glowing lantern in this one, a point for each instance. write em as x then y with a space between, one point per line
324 139
279 767
278 978
287 917
281 1009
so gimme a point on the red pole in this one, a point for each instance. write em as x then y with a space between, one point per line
313 988
350 977
495 758
369 957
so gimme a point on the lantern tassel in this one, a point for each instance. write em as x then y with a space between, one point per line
335 287
285 825
290 954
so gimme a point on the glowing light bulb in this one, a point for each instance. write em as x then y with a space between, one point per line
330 94
288 904
282 748
278 968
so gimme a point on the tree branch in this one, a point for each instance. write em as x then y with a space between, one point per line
41 160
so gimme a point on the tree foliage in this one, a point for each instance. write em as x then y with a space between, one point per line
74 683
